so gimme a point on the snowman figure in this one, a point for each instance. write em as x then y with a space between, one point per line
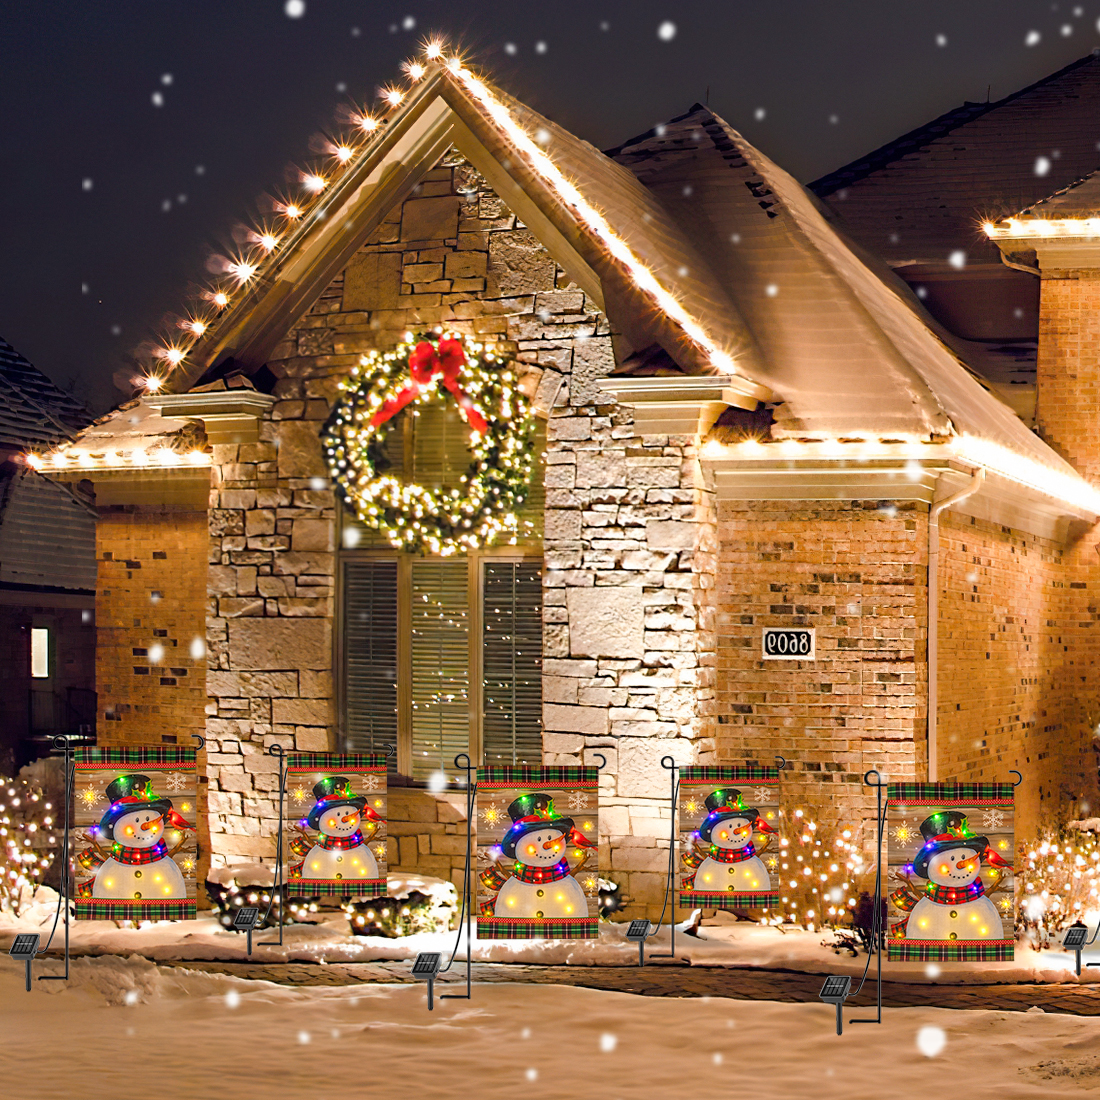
539 883
724 858
346 824
138 866
953 903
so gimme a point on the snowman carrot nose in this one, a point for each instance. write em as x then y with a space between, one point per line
147 825
348 817
968 861
548 844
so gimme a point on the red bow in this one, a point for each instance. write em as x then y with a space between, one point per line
425 361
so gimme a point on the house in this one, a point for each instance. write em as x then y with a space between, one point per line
746 420
47 572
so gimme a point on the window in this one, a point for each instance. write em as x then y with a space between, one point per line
40 653
440 656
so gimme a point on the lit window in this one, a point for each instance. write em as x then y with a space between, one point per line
40 653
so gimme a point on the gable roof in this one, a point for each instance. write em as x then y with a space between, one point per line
1081 199
33 411
920 197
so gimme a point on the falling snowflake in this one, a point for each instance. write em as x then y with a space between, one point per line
762 794
578 800
89 797
492 814
177 781
993 819
299 794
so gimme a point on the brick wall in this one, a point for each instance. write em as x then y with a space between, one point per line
856 573
1006 638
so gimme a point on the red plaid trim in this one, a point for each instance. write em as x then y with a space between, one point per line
343 844
562 928
741 899
137 857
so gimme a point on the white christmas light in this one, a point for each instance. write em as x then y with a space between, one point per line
314 183
392 96
269 241
368 124
243 271
344 153
1022 228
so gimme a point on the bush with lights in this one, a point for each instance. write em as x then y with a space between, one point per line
611 899
227 898
436 366
1058 882
405 912
29 843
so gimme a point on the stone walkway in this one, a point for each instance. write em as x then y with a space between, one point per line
664 980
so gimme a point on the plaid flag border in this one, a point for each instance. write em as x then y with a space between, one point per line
109 909
504 928
330 888
536 775
960 951
915 794
741 773
159 755
749 899
333 761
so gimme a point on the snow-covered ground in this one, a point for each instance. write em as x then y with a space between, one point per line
124 1028
724 942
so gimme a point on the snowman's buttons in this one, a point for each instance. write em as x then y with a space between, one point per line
953 913
539 913
339 859
137 874
137 894
733 871
540 893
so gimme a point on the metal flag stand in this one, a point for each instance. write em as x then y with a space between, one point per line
64 898
876 924
279 882
462 760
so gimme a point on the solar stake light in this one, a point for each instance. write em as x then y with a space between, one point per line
427 966
25 948
835 992
245 919
638 932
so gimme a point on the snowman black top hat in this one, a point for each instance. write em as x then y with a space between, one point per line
944 830
333 791
531 812
724 804
134 792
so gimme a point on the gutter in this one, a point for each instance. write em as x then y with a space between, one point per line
934 610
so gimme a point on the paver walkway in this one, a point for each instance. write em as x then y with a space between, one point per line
665 980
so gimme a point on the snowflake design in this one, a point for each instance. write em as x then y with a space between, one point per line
691 806
187 864
177 781
380 850
1005 903
492 814
905 832
762 794
89 797
591 884
299 794
578 800
371 783
771 863
993 819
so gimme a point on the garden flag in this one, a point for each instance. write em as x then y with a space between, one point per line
536 850
729 851
134 812
950 872
336 825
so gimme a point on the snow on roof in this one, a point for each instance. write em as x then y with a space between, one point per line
33 411
919 198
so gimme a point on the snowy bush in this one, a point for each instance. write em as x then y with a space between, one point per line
412 905
1058 881
27 829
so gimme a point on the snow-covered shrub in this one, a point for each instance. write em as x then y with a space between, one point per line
1058 881
29 842
411 905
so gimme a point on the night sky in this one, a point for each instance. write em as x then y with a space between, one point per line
137 134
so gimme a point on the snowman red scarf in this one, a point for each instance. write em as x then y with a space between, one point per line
342 843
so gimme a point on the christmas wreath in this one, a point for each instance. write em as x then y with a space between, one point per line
434 367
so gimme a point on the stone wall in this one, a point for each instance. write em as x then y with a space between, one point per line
856 572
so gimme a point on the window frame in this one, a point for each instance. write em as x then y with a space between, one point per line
475 597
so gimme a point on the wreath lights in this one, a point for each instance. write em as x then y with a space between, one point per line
437 366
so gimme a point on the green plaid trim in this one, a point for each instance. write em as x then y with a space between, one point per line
112 758
334 761
535 775
911 793
105 909
495 928
745 899
964 951
338 888
742 773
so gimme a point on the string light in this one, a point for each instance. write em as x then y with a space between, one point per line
194 325
292 210
268 241
242 271
414 69
1023 228
314 183
344 153
174 355
393 96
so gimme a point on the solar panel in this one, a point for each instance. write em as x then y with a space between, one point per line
246 917
1074 937
638 930
25 945
836 986
426 964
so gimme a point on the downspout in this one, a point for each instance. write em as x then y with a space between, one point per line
934 609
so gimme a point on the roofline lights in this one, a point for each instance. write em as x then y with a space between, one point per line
1071 490
1032 228
643 277
158 458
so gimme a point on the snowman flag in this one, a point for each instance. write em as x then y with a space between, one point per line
536 851
729 851
337 825
950 872
136 807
